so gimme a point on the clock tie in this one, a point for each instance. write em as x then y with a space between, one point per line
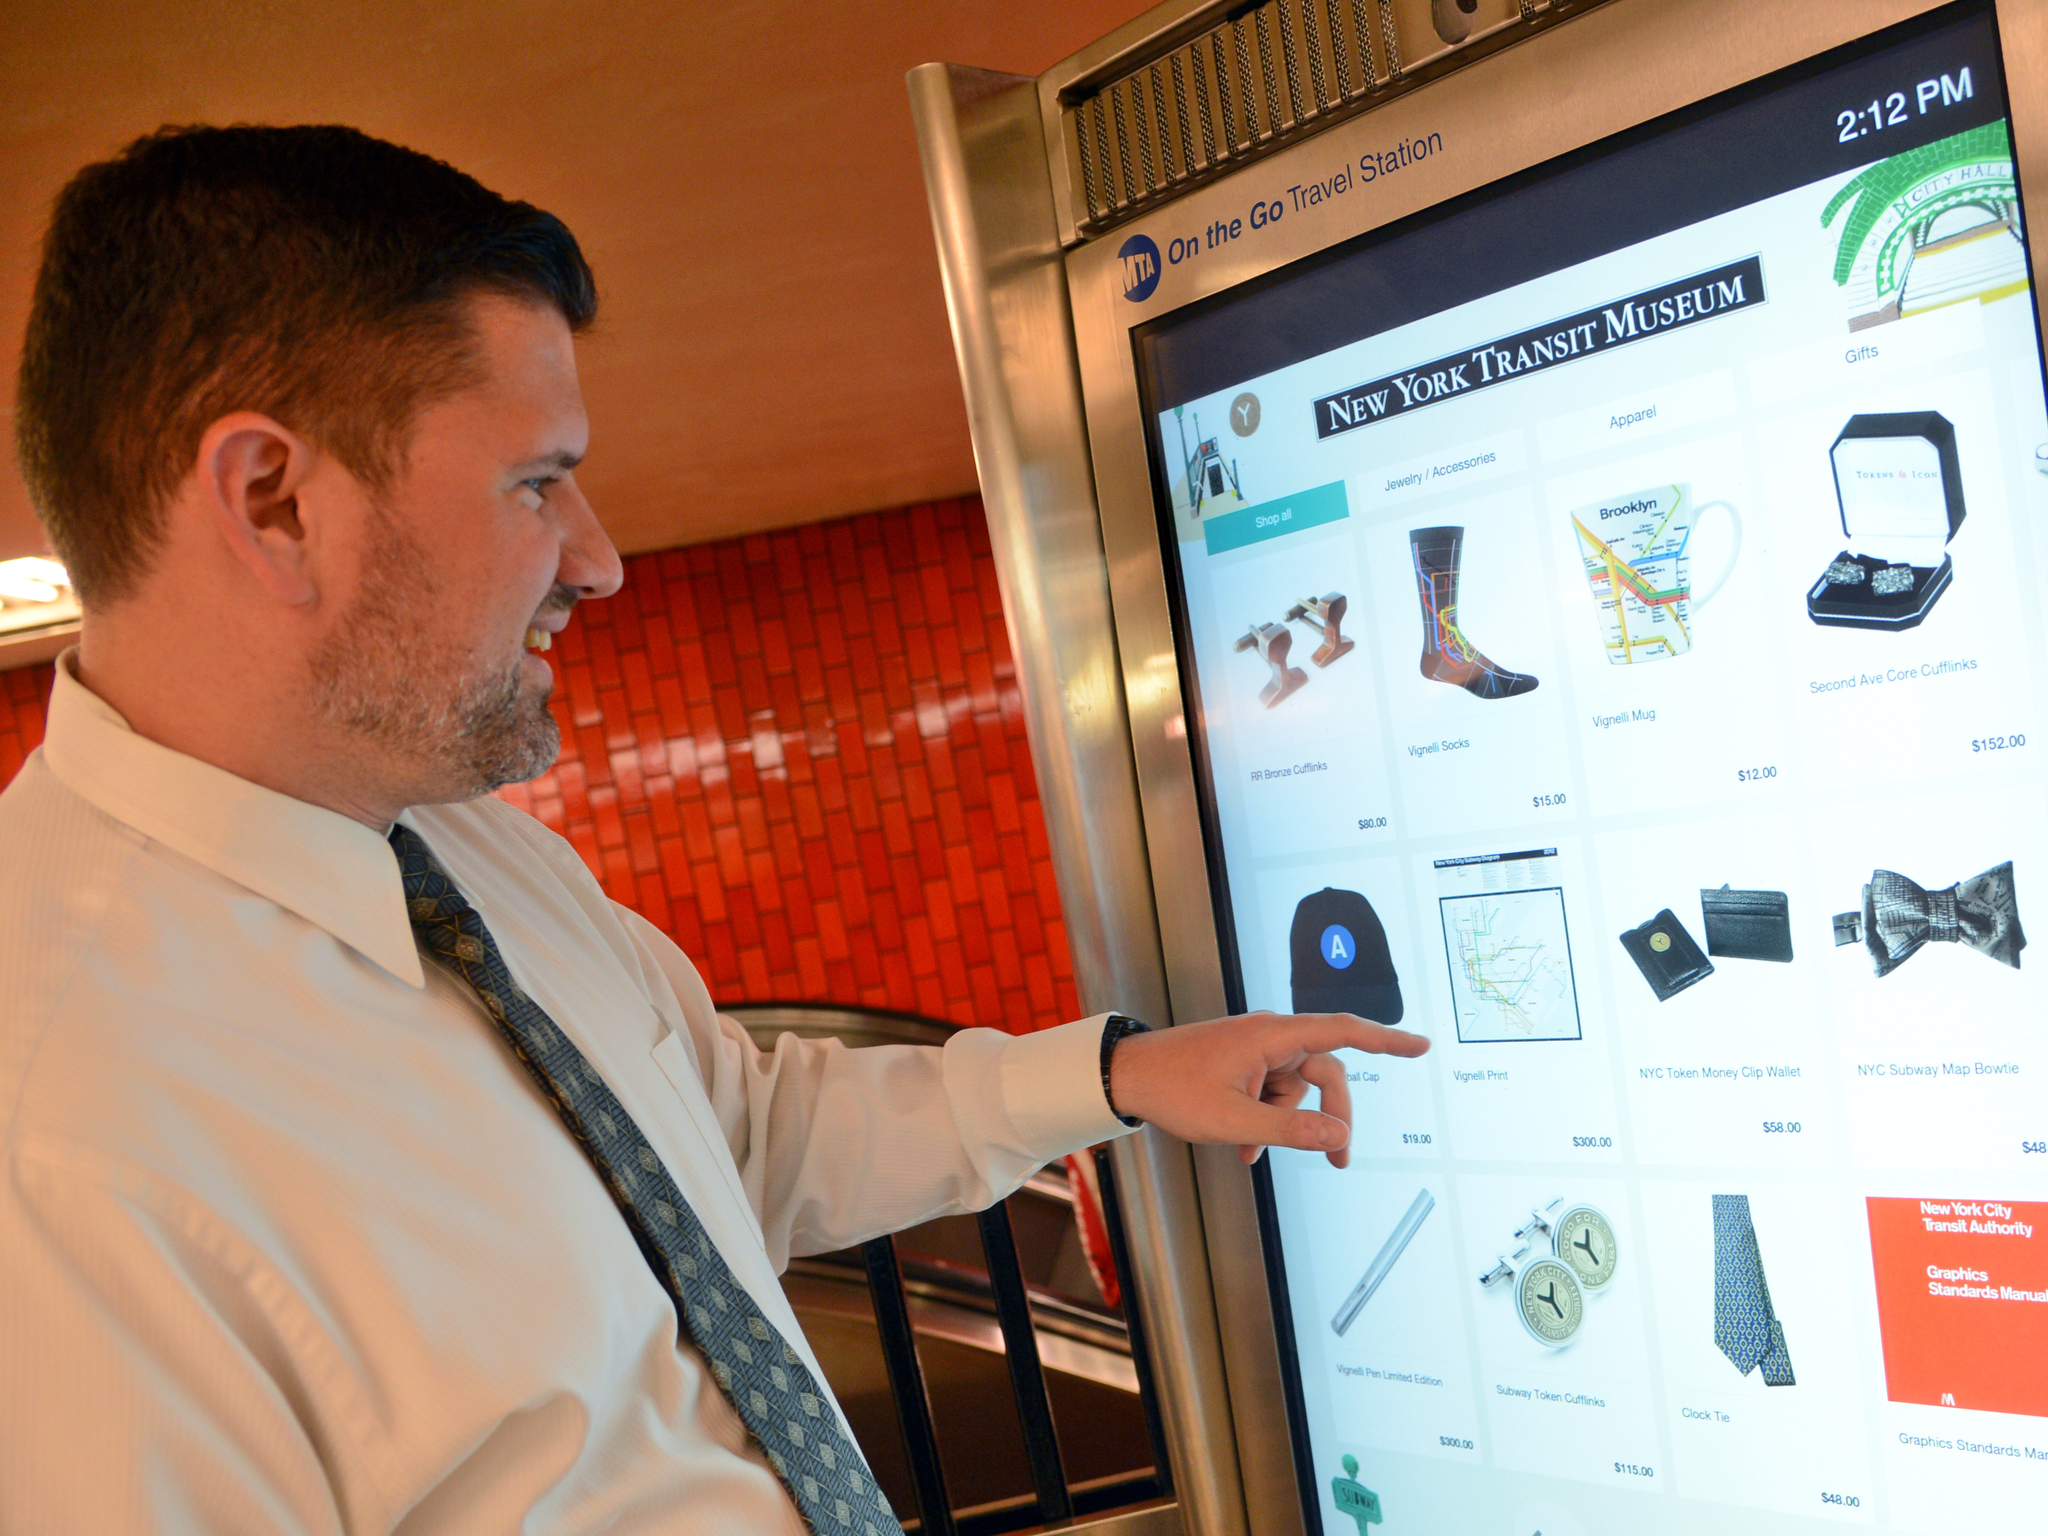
789 1411
1746 1329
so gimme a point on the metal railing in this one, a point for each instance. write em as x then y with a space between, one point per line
1055 1499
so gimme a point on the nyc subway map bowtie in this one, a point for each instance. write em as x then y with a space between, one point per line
1899 917
788 1410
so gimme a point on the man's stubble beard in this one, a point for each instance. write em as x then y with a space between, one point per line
447 729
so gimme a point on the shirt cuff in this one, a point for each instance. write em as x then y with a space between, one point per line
1052 1089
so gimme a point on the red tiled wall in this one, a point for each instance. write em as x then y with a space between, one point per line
24 696
802 754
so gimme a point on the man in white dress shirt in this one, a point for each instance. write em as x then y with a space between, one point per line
289 1241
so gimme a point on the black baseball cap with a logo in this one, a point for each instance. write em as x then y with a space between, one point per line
1341 960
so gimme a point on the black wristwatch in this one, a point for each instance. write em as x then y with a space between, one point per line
1114 1029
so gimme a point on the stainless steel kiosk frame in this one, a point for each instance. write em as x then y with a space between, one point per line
1161 128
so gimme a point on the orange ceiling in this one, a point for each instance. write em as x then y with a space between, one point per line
773 347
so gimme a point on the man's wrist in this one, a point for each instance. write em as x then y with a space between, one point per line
1115 1029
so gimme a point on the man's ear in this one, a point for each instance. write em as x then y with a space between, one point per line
250 472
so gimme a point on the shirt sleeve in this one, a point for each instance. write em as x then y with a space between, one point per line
837 1145
147 1379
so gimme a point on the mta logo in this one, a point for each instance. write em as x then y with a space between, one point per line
1140 260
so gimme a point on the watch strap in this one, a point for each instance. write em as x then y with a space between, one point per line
1114 1029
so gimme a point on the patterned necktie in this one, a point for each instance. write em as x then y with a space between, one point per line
788 1410
1746 1329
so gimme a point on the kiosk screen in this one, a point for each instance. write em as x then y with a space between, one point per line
1611 608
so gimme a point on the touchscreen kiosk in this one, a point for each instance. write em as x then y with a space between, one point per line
1609 612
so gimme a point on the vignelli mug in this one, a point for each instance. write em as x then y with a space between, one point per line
1636 550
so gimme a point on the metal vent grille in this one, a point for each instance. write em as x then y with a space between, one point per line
1262 78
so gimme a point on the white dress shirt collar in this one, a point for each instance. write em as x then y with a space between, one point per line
331 870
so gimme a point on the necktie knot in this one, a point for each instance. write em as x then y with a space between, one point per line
429 893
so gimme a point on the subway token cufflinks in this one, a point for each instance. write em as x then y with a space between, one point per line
1562 1254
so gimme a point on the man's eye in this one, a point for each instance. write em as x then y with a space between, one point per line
536 490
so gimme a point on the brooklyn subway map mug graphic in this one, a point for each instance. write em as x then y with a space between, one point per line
1636 549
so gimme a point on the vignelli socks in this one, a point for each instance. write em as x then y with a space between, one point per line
1447 656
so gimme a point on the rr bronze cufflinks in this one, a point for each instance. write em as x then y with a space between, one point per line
1274 642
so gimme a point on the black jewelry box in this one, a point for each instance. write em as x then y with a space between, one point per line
1899 489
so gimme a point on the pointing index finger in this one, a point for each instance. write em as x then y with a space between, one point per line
1314 1032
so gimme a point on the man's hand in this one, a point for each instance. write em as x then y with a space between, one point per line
1240 1079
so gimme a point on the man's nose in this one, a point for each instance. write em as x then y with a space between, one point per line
589 562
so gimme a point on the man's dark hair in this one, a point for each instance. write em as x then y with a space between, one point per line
314 274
